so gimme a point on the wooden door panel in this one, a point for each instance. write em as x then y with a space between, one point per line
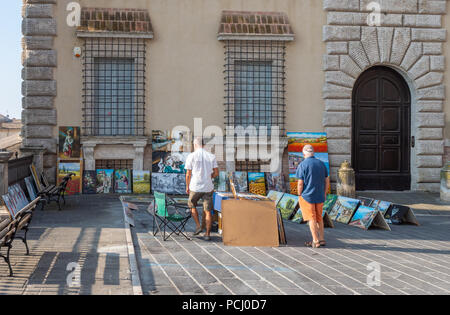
381 131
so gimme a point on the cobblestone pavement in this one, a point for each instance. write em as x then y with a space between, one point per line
413 260
90 232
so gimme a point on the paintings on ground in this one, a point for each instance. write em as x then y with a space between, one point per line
364 217
74 185
275 196
329 202
141 182
240 181
105 180
69 143
257 183
343 209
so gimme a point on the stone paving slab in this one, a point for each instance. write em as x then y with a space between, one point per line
90 232
413 260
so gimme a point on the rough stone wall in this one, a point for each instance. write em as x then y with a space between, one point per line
408 39
38 86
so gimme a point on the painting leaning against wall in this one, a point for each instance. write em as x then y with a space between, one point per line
69 143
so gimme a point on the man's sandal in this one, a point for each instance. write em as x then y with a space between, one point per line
312 244
323 243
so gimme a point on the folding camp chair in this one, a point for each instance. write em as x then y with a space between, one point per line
166 214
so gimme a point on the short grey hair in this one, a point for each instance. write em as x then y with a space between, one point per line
308 150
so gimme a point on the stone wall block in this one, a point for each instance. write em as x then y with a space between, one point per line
369 40
430 79
339 78
437 63
39 117
430 106
428 120
349 66
336 146
338 105
431 93
339 132
340 33
358 54
413 54
430 147
37 73
433 6
385 37
336 91
401 41
430 134
39 58
330 63
337 119
35 26
421 67
39 88
37 42
37 102
38 10
341 5
428 35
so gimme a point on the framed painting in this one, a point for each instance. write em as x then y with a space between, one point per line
224 182
382 206
297 140
275 196
69 143
293 182
257 183
329 203
275 181
295 158
74 185
105 180
343 209
36 178
122 181
141 182
298 217
169 162
240 181
169 183
89 182
288 205
172 141
363 217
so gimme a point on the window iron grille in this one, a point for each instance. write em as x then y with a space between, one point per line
113 164
114 87
255 84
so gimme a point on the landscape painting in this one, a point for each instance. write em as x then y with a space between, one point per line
382 206
122 181
141 182
329 203
105 180
275 196
74 185
365 201
257 183
297 140
275 181
89 182
169 162
396 214
363 217
69 143
240 181
172 184
343 209
293 182
287 205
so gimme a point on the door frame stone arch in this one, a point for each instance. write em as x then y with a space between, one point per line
411 48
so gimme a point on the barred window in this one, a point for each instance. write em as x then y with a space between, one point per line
255 83
113 164
114 96
114 87
250 166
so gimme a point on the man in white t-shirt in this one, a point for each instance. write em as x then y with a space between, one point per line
201 168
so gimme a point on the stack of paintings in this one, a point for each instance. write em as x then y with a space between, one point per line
296 143
393 213
257 183
169 183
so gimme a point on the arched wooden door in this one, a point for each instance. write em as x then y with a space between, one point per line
381 131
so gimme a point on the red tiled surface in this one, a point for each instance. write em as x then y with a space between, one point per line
254 23
115 20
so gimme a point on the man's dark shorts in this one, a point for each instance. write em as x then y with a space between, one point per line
194 198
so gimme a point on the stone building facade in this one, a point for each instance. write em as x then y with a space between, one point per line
323 47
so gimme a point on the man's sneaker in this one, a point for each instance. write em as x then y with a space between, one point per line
207 238
198 231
